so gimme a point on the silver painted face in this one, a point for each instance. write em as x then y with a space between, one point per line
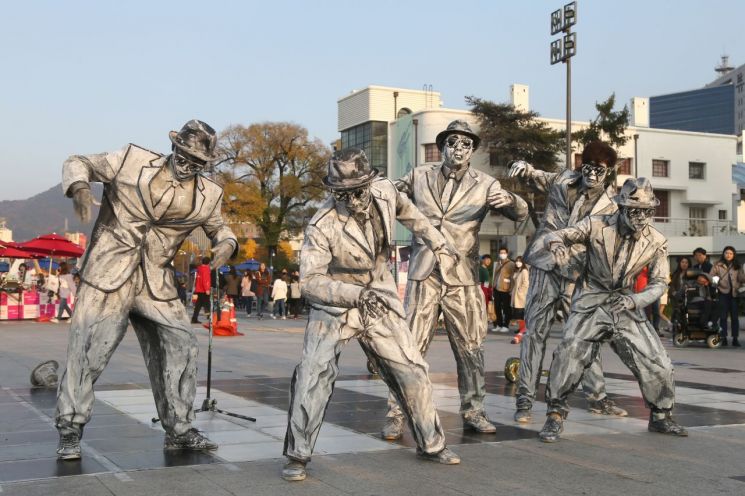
185 167
637 218
593 175
357 200
457 151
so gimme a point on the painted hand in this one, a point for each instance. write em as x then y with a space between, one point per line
82 201
621 303
560 253
500 199
371 305
221 254
520 168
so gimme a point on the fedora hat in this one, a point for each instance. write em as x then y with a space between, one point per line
349 169
45 374
196 139
637 193
457 127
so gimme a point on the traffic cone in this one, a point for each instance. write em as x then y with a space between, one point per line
520 332
227 325
234 320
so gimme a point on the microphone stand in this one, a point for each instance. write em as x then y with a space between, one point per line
209 404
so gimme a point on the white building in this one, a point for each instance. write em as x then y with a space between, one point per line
691 171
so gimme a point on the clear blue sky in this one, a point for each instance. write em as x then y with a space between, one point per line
90 76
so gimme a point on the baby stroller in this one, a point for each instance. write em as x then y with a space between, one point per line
694 314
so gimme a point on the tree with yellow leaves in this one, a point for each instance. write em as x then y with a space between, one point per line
272 175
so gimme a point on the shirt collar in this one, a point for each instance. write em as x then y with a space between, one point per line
624 231
446 171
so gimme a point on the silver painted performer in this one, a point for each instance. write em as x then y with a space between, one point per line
352 294
455 198
606 309
571 197
150 205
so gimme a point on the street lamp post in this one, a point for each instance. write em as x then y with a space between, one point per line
562 50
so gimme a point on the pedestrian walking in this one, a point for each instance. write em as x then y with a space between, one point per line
520 281
248 287
502 284
279 297
730 277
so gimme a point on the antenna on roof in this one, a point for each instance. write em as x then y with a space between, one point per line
724 67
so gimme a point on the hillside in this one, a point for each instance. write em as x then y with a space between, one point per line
44 213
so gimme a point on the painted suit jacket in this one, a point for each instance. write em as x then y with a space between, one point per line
557 214
127 233
460 224
337 262
596 285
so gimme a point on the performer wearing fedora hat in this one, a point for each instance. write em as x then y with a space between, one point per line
352 294
151 203
606 309
571 195
455 198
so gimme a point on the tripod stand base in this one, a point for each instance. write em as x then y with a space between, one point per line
210 405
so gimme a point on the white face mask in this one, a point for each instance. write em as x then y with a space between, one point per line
503 256
518 264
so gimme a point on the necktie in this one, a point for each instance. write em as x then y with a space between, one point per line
621 259
575 216
447 192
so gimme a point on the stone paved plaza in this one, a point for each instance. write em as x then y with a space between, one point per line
122 448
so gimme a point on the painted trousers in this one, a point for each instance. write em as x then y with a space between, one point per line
465 322
636 344
547 293
388 342
168 345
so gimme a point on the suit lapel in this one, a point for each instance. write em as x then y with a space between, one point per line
432 183
609 243
603 205
385 211
199 198
352 229
147 174
640 246
468 181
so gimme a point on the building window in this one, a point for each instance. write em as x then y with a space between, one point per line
624 166
722 215
696 170
662 213
696 222
372 137
432 153
660 168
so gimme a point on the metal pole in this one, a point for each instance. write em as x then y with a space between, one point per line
569 162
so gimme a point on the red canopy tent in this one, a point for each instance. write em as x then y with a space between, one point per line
53 245
8 251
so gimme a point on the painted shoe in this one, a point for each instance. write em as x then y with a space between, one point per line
69 447
606 406
393 428
189 440
666 425
479 423
552 428
523 415
294 471
446 457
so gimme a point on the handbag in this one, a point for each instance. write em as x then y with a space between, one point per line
490 311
